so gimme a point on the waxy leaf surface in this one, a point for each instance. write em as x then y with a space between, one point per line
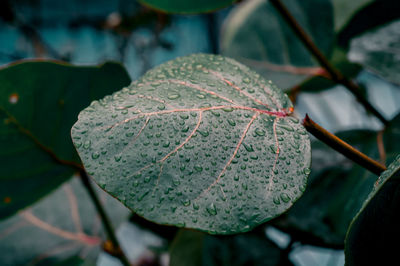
187 7
374 230
201 142
39 102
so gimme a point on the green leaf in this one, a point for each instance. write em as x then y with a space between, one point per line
369 15
344 10
378 51
39 103
337 188
255 34
187 248
187 7
375 229
200 142
196 248
61 229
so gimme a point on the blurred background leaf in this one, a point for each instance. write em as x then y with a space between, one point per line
39 103
62 228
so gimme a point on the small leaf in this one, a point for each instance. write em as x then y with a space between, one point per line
200 142
374 231
187 7
39 103
256 34
61 229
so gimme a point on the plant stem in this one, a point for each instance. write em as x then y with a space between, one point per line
342 147
116 249
336 75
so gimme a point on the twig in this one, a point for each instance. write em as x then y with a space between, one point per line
336 75
116 248
342 147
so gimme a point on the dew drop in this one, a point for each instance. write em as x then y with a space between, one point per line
248 148
231 122
186 202
276 200
259 132
285 197
87 144
307 171
95 155
173 96
211 209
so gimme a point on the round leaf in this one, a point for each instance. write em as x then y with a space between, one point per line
39 102
200 141
256 34
375 229
187 7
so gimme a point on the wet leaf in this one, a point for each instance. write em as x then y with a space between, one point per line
187 7
255 34
200 142
196 248
61 229
39 103
374 230
378 51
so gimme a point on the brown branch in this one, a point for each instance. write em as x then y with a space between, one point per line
342 147
112 247
336 75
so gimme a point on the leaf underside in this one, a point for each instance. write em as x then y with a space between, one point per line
200 142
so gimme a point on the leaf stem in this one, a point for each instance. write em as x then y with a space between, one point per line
336 75
342 147
116 248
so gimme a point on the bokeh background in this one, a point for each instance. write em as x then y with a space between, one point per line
90 32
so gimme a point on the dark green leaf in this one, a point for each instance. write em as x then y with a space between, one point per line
201 142
187 7
196 248
39 103
379 51
369 15
256 35
344 10
62 228
187 248
337 188
374 232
